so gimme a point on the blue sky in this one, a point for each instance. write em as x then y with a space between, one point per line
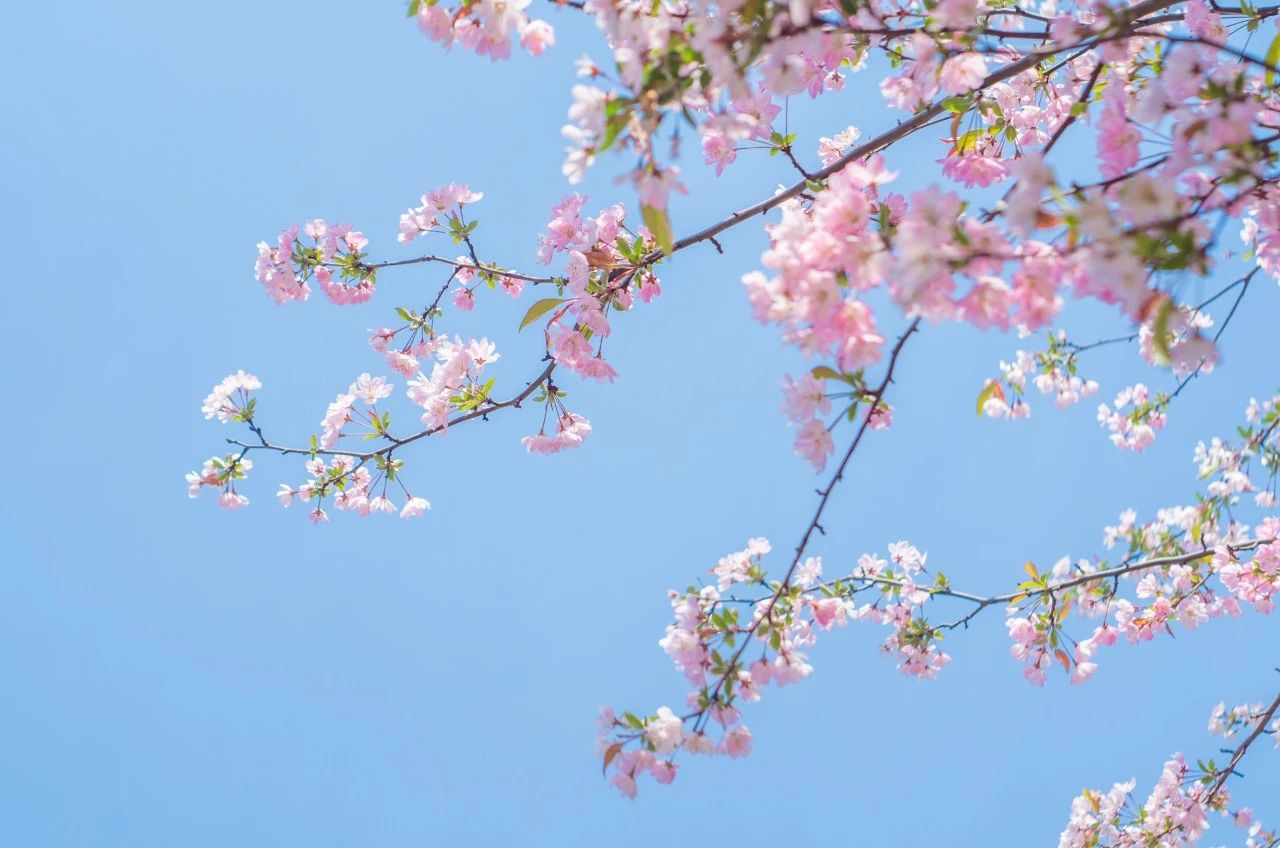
176 675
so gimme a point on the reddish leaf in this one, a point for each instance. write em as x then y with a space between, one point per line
609 753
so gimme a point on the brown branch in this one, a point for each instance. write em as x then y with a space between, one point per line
982 602
478 267
1131 18
1243 749
876 397
397 443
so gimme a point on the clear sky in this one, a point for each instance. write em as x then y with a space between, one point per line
176 675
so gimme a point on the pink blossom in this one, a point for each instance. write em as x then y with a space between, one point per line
736 742
414 507
536 36
464 299
718 150
814 443
963 73
665 731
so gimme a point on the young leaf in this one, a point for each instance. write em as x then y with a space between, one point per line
1063 658
990 390
659 223
1160 332
967 142
600 259
611 130
609 753
1273 59
540 308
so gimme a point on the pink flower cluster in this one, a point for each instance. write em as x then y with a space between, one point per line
1242 718
229 400
712 628
929 71
804 400
832 148
1174 815
1228 465
571 431
464 294
1188 565
1257 581
1052 371
443 203
724 91
904 590
1135 419
663 734
334 261
604 272
485 27
454 384
1204 567
1260 229
353 487
221 473
749 117
1182 137
824 258
1182 347
1182 592
406 359
700 617
367 389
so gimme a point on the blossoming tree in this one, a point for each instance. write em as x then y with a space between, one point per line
1179 104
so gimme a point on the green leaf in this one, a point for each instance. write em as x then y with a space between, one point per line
659 223
988 392
540 308
615 105
1160 332
611 130
969 140
1273 59
414 5
404 314
823 372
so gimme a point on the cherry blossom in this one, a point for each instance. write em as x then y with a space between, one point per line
229 400
1173 113
486 27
